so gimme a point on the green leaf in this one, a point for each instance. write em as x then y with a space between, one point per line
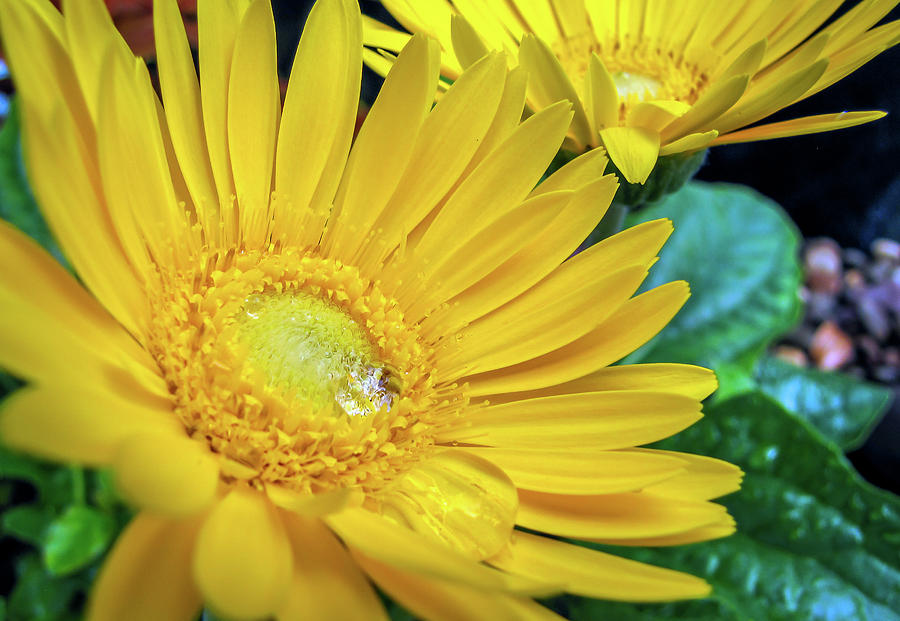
39 596
841 407
738 251
76 538
27 522
17 204
814 540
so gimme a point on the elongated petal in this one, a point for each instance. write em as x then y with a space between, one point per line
253 111
590 573
548 84
327 583
147 576
445 601
243 561
73 423
801 126
602 420
184 481
613 516
580 471
691 142
636 322
702 479
383 540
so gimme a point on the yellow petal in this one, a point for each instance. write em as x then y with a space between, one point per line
217 27
757 104
683 379
242 561
184 481
704 477
602 420
181 96
538 258
691 142
578 470
711 104
319 116
601 95
384 145
747 63
467 45
438 600
147 575
40 285
381 539
591 573
633 150
635 323
578 172
254 105
311 504
654 115
77 424
450 136
327 583
549 84
567 305
459 499
800 127
613 516
723 527
515 166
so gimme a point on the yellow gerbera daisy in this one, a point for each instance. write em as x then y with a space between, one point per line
651 78
312 367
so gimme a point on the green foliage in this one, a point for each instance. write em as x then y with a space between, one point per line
843 408
669 175
737 249
71 520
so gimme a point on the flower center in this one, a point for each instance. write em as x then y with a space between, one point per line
311 350
297 371
643 70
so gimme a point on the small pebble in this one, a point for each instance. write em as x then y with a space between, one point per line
823 264
886 249
873 317
793 355
831 348
854 257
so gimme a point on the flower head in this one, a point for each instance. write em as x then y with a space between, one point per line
310 366
650 79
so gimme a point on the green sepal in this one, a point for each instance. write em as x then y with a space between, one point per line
669 174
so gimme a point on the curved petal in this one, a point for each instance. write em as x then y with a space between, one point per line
457 498
580 471
184 481
69 423
437 600
613 516
590 573
379 538
327 584
633 150
703 478
147 576
242 560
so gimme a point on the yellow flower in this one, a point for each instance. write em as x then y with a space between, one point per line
651 78
311 367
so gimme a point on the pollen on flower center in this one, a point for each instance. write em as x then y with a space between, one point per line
642 70
314 351
297 371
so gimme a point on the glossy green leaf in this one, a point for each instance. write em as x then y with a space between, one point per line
76 538
842 407
814 542
737 249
